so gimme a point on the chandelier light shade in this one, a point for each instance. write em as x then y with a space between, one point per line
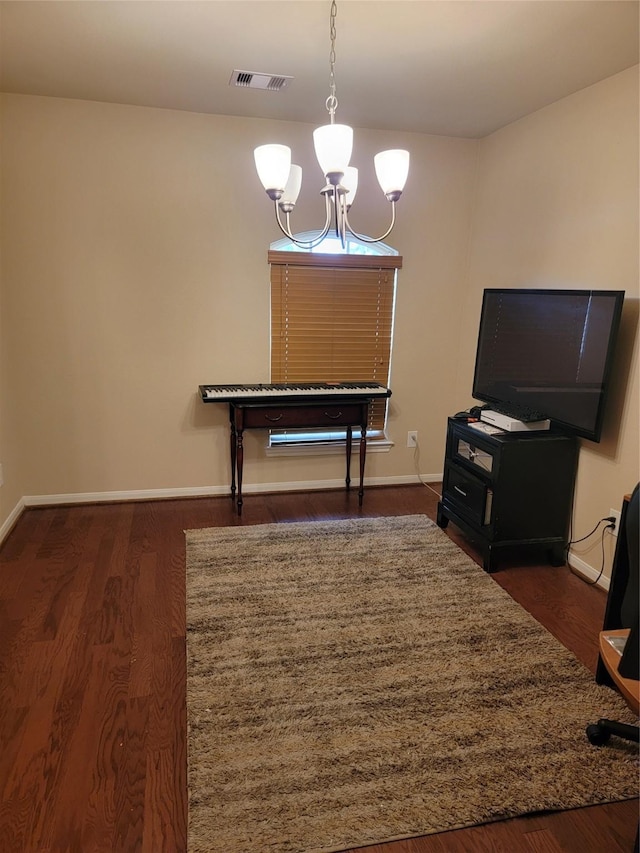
333 145
292 188
273 163
350 183
392 170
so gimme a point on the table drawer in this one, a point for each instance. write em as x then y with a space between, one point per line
291 417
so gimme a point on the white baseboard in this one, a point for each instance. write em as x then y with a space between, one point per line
132 495
213 491
11 519
197 492
585 571
579 566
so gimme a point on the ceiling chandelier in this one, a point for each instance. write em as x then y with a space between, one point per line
333 143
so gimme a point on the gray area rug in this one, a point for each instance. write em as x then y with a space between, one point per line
352 682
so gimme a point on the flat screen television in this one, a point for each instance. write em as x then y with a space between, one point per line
550 352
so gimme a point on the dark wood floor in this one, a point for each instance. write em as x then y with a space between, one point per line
92 671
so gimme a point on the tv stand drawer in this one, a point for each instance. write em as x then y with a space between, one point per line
471 497
475 455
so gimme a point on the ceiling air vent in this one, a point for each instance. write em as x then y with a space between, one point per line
259 80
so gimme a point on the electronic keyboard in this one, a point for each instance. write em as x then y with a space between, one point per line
291 391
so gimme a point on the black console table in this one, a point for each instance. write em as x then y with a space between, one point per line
295 406
311 414
509 489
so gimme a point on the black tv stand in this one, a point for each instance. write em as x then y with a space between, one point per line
509 489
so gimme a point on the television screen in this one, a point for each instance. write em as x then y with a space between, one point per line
548 351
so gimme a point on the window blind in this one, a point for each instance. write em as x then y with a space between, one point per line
332 320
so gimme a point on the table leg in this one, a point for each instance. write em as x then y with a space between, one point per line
233 460
240 455
363 453
348 477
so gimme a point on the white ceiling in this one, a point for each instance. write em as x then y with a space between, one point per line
451 67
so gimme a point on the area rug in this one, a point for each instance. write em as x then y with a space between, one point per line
352 682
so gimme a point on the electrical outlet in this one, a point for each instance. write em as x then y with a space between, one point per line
1 475
615 513
412 438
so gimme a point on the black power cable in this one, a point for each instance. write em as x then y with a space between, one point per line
611 525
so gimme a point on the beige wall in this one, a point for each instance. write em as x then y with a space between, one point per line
134 268
557 206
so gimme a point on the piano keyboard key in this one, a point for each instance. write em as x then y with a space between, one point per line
293 390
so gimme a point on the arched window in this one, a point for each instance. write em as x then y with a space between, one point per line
331 245
332 321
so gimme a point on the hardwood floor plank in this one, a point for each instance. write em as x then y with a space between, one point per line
106 755
74 819
93 667
130 759
164 830
541 841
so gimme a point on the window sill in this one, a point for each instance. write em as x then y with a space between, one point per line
327 448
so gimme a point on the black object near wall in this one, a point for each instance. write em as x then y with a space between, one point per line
509 490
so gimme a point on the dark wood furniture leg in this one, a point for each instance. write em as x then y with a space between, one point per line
240 456
349 438
363 453
233 454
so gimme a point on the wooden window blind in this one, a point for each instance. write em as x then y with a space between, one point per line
332 320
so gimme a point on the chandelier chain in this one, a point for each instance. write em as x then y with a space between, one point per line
332 101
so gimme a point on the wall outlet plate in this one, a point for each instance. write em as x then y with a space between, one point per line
412 438
615 513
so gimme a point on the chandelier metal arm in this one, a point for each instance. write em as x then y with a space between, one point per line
305 244
366 239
